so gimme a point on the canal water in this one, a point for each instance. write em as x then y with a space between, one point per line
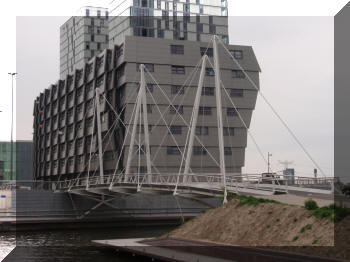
72 245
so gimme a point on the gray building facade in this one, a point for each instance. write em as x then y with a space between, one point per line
81 38
65 126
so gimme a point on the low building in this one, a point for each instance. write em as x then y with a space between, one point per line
22 160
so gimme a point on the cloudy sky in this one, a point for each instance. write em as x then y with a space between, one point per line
296 57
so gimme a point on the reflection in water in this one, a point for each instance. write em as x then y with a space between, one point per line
72 245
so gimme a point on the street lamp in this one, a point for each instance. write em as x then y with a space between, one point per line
268 162
12 75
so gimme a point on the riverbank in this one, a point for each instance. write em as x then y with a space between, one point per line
247 221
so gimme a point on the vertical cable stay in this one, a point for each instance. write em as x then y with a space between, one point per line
274 111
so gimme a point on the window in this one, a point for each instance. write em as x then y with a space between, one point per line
79 91
92 38
141 150
179 70
98 13
177 49
204 110
160 33
231 111
176 130
208 91
79 125
149 67
79 143
201 9
79 159
109 155
176 89
229 131
197 2
236 92
87 12
212 29
142 131
228 151
204 51
149 88
159 4
143 170
70 112
238 74
237 54
186 8
173 150
149 108
209 72
199 150
89 122
199 28
176 109
202 130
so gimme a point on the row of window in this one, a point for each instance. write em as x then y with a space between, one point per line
202 130
110 155
180 50
197 150
180 70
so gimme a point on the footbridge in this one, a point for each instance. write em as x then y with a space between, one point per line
185 182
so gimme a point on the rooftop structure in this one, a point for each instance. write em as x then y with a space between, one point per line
194 20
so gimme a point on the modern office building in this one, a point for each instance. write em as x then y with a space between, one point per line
22 160
65 126
194 20
82 37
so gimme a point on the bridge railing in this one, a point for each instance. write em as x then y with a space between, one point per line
210 180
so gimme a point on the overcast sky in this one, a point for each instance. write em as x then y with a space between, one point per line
295 54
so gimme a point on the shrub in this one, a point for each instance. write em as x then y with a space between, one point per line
277 220
302 230
182 221
314 242
295 238
308 226
346 190
295 220
310 204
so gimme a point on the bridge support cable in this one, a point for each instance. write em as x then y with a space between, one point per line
114 125
141 100
191 77
184 121
191 130
145 126
219 114
284 123
100 153
193 123
92 139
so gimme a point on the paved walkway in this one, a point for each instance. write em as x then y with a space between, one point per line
299 200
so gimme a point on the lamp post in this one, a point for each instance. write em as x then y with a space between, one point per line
12 75
268 162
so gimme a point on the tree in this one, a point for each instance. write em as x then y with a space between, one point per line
346 190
